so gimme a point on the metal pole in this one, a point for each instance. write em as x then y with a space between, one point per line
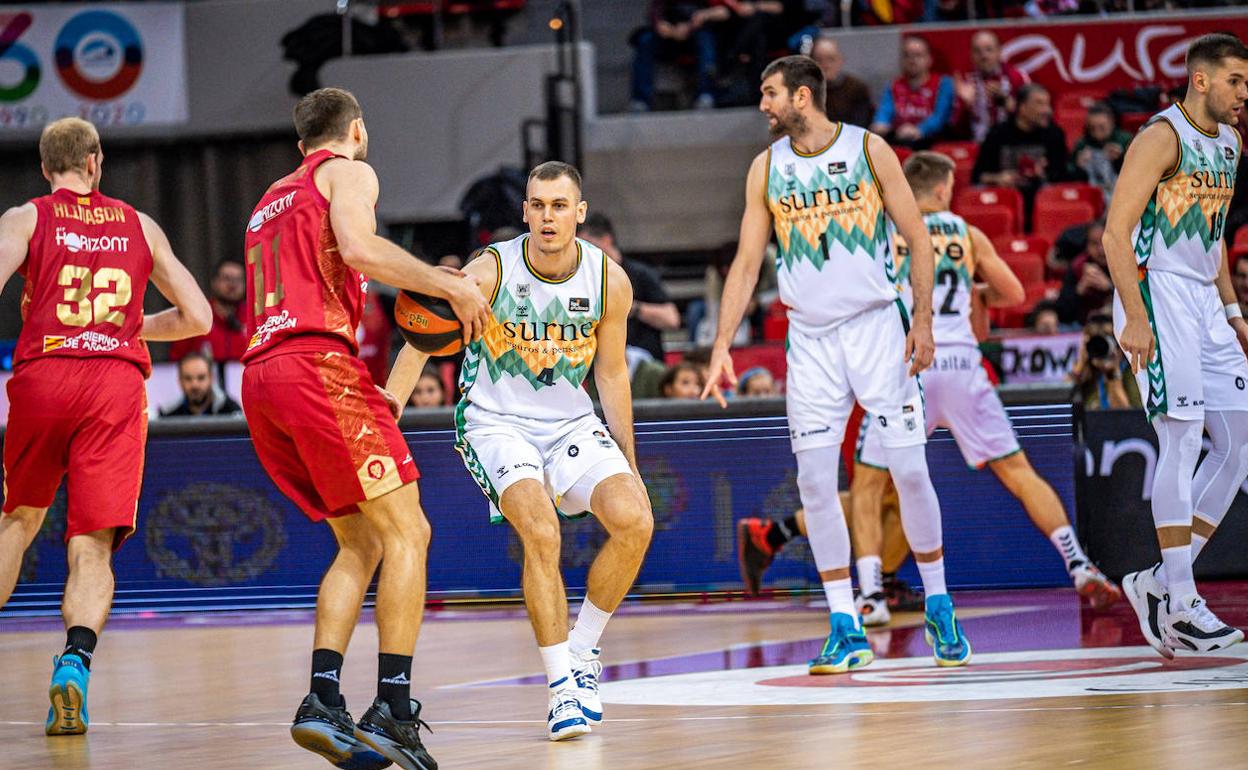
344 10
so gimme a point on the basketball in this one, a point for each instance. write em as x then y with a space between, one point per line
428 324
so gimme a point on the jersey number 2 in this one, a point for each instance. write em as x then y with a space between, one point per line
950 277
255 261
78 282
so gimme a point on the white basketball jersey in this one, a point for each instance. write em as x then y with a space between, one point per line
541 338
834 260
1182 226
954 283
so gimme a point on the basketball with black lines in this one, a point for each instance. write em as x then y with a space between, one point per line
428 324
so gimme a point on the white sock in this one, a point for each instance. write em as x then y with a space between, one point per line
933 574
1198 545
558 665
1064 540
870 575
590 623
1176 565
840 596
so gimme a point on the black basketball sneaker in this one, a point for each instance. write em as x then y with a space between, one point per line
330 732
396 740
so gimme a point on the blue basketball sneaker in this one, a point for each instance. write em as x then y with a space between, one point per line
586 668
943 632
565 719
846 648
330 732
68 692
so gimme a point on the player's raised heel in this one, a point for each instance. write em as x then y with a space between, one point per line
873 609
586 668
1091 584
1148 597
330 732
845 649
565 719
754 553
943 632
68 693
396 740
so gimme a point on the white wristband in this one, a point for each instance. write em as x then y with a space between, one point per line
1232 311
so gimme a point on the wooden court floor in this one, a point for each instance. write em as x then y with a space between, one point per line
218 691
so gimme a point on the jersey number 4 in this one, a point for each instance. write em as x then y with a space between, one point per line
79 281
256 259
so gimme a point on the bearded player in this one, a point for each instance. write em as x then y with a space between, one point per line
1179 323
77 402
827 188
326 434
529 436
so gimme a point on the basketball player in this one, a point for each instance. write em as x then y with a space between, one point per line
77 402
1180 326
528 434
327 435
958 396
827 187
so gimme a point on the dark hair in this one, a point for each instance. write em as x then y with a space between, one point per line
597 224
1042 306
798 71
216 269
325 115
1211 49
1027 90
673 371
698 357
196 355
553 169
926 169
1103 108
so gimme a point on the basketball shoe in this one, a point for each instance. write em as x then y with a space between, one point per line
330 732
873 609
586 668
754 553
1189 624
395 739
944 633
845 649
565 718
1148 597
68 692
1091 584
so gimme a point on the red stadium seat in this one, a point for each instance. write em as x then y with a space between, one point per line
962 153
903 153
1018 245
1029 269
1072 191
1241 240
995 220
1133 121
1052 218
992 196
1015 317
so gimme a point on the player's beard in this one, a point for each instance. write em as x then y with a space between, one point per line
788 123
361 152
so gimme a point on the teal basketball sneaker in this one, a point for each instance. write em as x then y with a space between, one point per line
949 645
846 648
68 692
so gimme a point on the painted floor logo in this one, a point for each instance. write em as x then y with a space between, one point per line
992 676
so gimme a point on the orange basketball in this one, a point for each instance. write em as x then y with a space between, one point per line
428 324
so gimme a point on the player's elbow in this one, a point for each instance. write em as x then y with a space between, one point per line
355 252
198 314
1012 295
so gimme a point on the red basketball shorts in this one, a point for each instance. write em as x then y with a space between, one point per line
323 433
85 418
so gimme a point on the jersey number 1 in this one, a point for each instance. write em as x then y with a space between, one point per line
255 261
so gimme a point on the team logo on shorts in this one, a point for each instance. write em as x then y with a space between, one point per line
378 475
578 304
1239 381
502 471
883 421
376 470
574 450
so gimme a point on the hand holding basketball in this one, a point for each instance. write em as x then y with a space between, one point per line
470 306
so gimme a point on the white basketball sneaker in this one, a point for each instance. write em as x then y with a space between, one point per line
565 719
1190 625
1147 597
586 668
873 609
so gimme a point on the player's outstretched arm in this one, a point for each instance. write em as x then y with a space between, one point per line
610 365
191 315
742 276
900 205
352 192
17 225
1150 156
1004 288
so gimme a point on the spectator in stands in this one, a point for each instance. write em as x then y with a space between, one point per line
676 27
653 311
200 395
1026 151
429 391
227 339
1239 279
681 381
1102 378
987 92
1039 9
1068 246
1098 153
757 382
1086 289
1043 318
703 314
917 109
453 261
849 98
752 29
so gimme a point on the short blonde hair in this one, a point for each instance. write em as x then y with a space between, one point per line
65 145
925 169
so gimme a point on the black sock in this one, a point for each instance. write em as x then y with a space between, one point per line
394 684
80 641
783 532
326 674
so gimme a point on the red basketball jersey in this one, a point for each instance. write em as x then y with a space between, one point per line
86 272
298 287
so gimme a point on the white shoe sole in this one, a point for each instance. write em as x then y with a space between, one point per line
1139 604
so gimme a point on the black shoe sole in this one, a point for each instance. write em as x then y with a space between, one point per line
392 751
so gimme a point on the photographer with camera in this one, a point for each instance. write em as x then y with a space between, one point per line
1099 373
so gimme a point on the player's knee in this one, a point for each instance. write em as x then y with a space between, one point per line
539 535
29 519
868 480
636 528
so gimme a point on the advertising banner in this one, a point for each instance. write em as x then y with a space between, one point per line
1049 358
115 64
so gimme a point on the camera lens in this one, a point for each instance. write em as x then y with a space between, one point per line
1098 347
